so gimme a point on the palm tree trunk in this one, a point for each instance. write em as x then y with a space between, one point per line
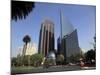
29 60
24 52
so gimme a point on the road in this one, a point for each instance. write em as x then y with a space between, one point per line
50 69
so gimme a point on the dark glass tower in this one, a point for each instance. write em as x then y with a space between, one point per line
46 38
70 44
59 45
69 39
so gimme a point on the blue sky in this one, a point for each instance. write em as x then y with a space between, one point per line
82 17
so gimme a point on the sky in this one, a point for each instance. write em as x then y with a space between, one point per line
82 17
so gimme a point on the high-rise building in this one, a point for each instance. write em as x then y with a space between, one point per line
70 44
46 38
69 38
59 45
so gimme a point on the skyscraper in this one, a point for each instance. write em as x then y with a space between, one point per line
46 38
70 44
59 45
69 38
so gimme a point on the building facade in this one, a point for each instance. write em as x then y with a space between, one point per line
30 49
70 44
46 38
69 39
59 45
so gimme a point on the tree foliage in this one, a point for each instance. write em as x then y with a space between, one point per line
76 57
60 59
14 61
36 59
26 39
89 55
21 9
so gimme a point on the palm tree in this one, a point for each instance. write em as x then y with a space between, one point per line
89 55
20 9
26 39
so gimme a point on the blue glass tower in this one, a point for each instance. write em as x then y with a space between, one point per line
69 38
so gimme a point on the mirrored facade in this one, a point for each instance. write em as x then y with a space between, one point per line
69 39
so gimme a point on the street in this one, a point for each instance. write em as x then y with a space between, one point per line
50 69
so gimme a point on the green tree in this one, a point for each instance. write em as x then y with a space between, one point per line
72 58
25 60
75 58
60 59
89 55
21 9
26 40
78 56
14 61
36 59
19 60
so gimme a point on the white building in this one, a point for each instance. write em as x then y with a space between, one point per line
30 49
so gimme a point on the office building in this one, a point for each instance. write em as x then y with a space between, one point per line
59 45
46 38
30 49
69 38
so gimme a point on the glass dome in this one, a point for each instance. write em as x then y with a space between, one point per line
51 55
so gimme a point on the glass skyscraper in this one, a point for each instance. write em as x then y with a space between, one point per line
46 38
69 38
